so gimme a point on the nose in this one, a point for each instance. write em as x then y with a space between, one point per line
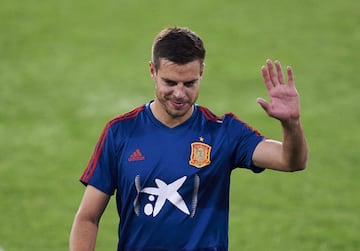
179 90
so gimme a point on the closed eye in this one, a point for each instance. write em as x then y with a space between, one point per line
170 82
190 83
187 84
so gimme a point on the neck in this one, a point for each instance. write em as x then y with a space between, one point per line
167 119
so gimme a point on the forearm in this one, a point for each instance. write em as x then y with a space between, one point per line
294 146
83 235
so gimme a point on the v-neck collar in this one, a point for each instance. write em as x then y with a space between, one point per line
181 126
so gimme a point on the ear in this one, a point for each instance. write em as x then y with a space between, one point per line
152 70
202 66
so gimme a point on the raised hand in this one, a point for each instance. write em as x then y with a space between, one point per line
284 98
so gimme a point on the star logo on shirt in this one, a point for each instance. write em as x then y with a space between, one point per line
165 192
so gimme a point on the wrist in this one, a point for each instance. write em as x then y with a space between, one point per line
291 124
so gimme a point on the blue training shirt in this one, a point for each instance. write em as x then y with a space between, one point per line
172 184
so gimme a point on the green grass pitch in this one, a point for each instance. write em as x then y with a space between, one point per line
67 67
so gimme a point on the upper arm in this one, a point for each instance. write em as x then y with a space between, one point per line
92 205
268 154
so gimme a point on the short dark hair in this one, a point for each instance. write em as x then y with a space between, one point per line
179 45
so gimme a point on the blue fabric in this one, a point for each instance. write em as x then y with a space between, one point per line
171 184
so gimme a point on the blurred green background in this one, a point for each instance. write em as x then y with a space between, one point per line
67 67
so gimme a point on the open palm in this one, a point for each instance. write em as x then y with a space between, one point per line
284 98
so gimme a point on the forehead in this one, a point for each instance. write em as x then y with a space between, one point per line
173 71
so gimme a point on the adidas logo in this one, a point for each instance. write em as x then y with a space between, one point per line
136 156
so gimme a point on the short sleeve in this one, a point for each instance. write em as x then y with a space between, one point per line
101 170
245 141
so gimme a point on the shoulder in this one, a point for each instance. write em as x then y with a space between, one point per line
227 120
207 114
210 116
128 116
123 122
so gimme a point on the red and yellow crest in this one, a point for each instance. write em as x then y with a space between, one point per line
200 154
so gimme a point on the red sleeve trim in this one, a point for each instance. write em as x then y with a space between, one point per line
208 114
246 124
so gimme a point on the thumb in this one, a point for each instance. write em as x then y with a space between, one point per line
263 104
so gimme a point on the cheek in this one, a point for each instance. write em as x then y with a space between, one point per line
161 90
195 97
194 93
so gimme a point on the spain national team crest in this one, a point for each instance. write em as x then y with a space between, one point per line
200 154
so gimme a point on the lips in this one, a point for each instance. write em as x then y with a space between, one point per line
178 105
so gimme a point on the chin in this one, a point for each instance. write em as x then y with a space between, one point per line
176 114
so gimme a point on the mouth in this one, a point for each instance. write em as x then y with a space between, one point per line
178 105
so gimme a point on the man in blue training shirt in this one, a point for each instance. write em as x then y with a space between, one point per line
169 161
